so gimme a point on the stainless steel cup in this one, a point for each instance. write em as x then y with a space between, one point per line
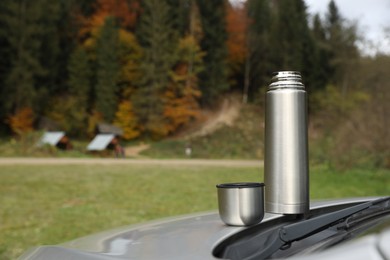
241 204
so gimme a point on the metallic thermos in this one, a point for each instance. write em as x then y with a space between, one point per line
286 146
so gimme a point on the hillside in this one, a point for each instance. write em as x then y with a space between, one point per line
232 131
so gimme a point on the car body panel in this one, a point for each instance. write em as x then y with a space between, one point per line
188 237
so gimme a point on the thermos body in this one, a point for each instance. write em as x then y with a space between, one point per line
286 146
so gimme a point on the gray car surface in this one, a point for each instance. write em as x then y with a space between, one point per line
201 236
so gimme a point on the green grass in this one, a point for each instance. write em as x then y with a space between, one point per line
53 204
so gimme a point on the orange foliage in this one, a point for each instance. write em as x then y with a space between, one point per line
22 121
179 110
237 23
126 12
93 121
182 94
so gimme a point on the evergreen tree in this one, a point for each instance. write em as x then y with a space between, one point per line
321 55
293 41
341 40
107 68
259 65
22 38
52 82
291 34
158 40
79 87
61 40
180 15
5 61
69 109
333 17
213 80
79 77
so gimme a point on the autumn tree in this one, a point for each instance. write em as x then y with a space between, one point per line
126 119
158 40
21 121
181 98
126 14
130 55
237 23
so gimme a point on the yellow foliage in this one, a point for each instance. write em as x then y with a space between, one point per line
125 119
93 120
69 114
190 51
130 56
22 121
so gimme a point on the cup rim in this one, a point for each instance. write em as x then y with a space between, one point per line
240 185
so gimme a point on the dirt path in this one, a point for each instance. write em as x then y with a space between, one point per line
226 115
134 151
114 161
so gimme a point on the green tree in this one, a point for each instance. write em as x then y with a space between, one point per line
180 15
158 40
321 73
22 38
213 80
258 65
341 40
291 34
79 71
79 84
32 34
107 70
294 46
70 109
49 53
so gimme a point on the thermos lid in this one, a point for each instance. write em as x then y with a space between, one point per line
240 185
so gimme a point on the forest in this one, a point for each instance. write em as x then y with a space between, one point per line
150 66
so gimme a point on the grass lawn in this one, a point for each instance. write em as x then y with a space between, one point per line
53 204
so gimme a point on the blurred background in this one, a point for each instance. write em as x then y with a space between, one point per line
177 79
163 71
